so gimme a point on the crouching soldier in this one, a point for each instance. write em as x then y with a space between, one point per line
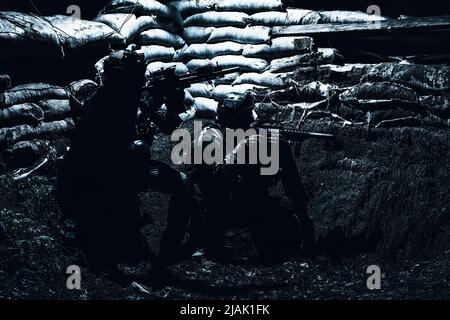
106 167
279 225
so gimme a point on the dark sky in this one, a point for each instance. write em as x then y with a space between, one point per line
89 8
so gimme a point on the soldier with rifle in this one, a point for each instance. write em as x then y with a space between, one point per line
109 163
279 225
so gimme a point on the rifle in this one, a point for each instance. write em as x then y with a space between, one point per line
168 79
292 134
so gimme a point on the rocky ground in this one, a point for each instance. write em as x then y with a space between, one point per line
377 198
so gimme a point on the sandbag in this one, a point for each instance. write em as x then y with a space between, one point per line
197 34
290 17
209 51
32 92
227 79
25 153
423 78
26 113
194 64
308 93
154 67
5 82
130 26
157 53
24 35
266 79
323 56
248 35
162 38
143 7
82 89
217 19
338 16
437 105
10 136
76 33
380 95
245 64
249 5
55 109
223 91
190 7
201 90
205 107
280 47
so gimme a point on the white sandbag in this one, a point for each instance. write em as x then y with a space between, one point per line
290 17
198 63
26 113
143 7
248 35
24 35
323 56
205 107
157 53
246 64
154 67
280 47
162 38
130 26
53 129
266 79
32 92
200 50
201 90
227 79
190 7
338 16
77 33
217 19
249 5
223 91
197 34
55 109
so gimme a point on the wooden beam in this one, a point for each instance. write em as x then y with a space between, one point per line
388 27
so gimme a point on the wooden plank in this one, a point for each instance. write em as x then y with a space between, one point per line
388 27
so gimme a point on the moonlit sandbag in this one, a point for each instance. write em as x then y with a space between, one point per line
198 63
162 38
217 19
280 47
290 17
190 7
157 53
266 79
199 50
26 113
246 64
55 109
248 35
197 34
32 92
24 35
76 33
249 5
154 67
201 90
227 79
143 7
205 107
